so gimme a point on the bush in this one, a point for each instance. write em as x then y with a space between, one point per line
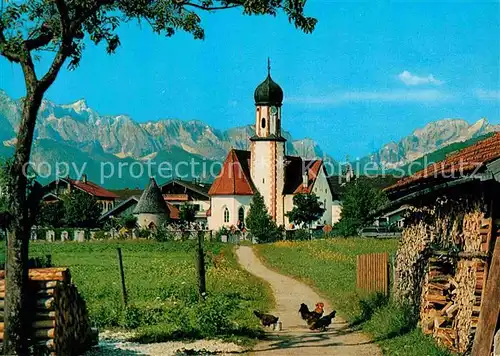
162 235
299 235
370 305
391 320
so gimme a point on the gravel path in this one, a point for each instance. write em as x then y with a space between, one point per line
296 338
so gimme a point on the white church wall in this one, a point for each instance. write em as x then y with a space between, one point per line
233 204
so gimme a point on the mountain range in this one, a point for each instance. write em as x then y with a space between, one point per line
79 135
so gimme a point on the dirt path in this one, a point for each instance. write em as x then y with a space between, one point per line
296 338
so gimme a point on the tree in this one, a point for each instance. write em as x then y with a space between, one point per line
29 28
52 214
81 210
306 210
359 199
259 222
187 214
128 221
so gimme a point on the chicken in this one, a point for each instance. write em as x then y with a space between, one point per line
266 319
311 316
322 323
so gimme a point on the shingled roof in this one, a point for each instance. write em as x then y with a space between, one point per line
151 201
456 165
293 174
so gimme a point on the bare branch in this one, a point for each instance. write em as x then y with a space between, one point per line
42 40
63 13
50 76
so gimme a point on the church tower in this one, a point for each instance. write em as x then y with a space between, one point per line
268 147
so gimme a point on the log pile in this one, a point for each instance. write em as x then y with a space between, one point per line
453 287
60 324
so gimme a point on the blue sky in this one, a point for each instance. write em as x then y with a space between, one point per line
372 72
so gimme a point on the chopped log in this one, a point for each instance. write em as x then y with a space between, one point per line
41 334
43 324
45 303
452 310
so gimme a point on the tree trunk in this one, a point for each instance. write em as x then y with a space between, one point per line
201 267
18 231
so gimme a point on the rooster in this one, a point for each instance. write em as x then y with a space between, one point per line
266 319
322 323
311 316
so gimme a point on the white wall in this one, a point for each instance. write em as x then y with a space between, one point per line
233 203
322 191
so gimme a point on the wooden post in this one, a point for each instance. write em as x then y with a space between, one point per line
201 266
122 275
490 307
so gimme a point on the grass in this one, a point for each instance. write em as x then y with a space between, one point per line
162 289
330 267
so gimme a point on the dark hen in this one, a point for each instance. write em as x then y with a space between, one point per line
324 322
311 316
266 319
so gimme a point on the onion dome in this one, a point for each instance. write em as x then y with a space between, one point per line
268 92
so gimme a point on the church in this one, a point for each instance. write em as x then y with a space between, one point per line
267 169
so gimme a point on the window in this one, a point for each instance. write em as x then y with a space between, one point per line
226 215
241 215
263 123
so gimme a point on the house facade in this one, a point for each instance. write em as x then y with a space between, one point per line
65 186
266 169
178 192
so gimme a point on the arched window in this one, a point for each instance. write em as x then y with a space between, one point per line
226 215
241 215
263 123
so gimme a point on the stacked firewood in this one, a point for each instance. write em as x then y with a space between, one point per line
451 300
60 324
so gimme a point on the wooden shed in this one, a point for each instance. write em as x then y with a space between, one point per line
448 261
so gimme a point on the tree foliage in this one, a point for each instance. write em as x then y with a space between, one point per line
52 215
187 214
360 198
259 222
81 210
306 209
128 221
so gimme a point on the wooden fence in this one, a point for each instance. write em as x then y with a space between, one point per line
373 272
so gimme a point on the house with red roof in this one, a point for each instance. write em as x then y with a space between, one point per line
267 169
59 187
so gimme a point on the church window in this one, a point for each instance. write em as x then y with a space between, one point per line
226 215
241 215
263 123
263 181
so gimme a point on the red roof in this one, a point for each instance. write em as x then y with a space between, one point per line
174 212
457 164
92 188
234 178
313 169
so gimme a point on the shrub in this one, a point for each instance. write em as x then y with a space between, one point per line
162 235
300 235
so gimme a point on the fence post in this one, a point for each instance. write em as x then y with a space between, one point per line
201 266
122 275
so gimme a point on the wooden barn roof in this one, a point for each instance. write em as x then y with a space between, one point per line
456 165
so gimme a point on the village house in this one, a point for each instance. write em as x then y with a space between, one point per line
178 192
266 169
56 189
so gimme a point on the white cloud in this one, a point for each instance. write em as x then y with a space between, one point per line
430 95
411 79
487 94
